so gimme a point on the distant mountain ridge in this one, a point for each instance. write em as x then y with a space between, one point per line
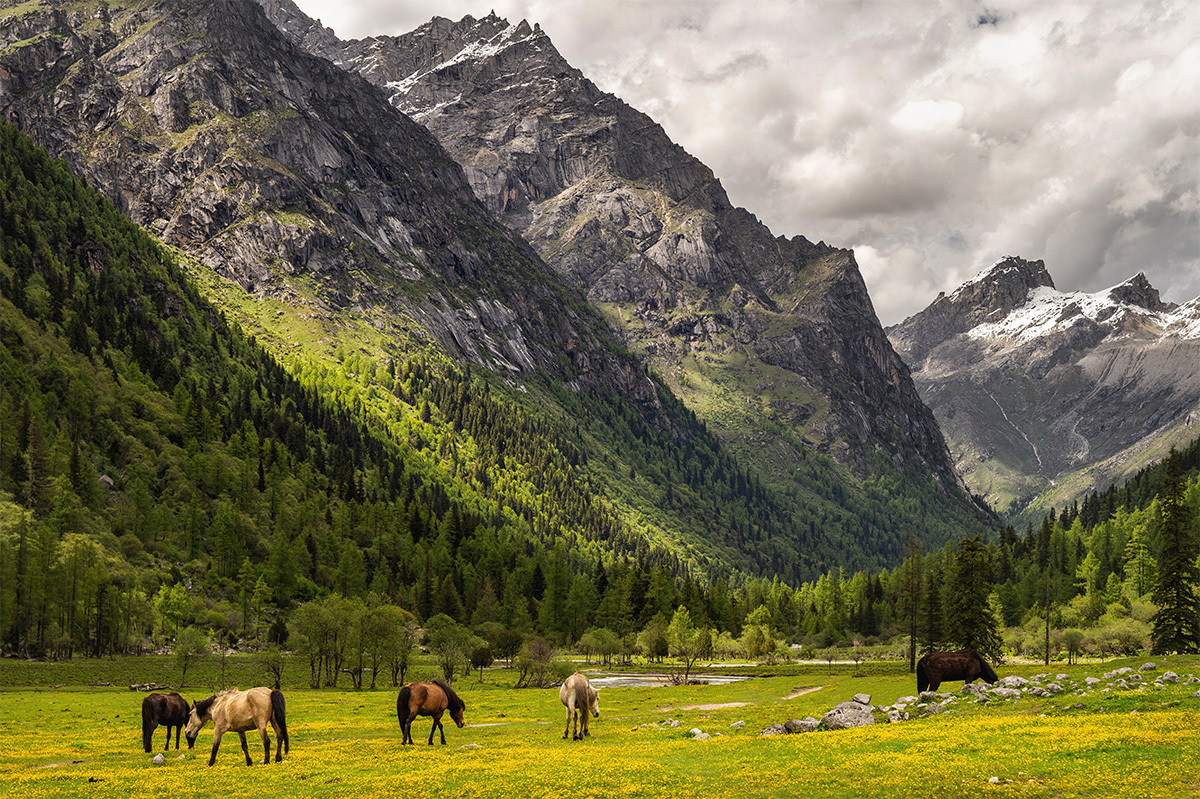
755 332
1047 394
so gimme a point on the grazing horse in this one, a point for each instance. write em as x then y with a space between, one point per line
428 699
169 710
240 711
580 698
965 664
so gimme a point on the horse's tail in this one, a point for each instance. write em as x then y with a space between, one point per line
147 723
402 704
922 677
279 712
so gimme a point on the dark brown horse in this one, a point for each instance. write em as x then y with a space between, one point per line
428 699
965 664
169 710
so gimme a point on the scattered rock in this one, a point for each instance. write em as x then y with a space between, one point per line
779 729
1061 677
1054 688
1091 680
737 725
993 780
893 716
1013 681
1006 693
934 709
1149 666
847 715
470 746
863 699
806 724
906 700
1196 695
1169 676
1038 690
158 759
701 736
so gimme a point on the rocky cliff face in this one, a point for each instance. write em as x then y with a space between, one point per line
1044 394
757 333
291 177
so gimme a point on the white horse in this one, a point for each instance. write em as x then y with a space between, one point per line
580 697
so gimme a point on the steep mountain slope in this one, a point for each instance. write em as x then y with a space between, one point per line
1045 395
772 341
290 177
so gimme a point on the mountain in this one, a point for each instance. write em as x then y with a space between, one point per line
347 241
1045 395
773 342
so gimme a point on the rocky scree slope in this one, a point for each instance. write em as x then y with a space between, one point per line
1045 395
772 341
293 178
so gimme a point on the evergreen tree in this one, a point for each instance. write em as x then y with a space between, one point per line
970 621
1176 624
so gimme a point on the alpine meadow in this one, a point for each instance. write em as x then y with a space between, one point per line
407 379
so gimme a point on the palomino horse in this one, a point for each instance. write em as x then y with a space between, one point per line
428 699
580 698
169 710
240 711
965 664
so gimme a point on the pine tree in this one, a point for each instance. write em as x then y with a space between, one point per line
1176 624
970 621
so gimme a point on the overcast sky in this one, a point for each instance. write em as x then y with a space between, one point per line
932 136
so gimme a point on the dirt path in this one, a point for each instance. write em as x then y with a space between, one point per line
801 690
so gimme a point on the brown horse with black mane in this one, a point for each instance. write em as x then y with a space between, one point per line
241 711
169 710
965 664
428 699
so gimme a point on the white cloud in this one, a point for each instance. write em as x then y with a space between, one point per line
935 136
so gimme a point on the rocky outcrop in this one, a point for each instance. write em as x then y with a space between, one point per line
701 288
1036 388
293 178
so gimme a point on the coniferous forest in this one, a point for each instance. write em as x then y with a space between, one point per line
162 471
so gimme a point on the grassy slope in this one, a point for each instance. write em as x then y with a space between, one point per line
347 744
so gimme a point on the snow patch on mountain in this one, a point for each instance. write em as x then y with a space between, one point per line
1047 310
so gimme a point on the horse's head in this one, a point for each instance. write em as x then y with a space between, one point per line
456 712
197 718
594 701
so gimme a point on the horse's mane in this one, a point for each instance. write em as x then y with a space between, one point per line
454 704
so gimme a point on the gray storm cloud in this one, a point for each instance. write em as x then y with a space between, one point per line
932 136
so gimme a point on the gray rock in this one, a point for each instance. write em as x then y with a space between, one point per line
694 731
701 737
893 716
774 729
1006 693
1148 666
470 746
1013 681
1091 680
847 715
1169 676
935 709
1196 695
807 724
906 700
737 725
1061 677
863 699
158 759
1054 688
1038 690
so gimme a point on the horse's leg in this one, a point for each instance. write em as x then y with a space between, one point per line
266 739
407 728
167 745
246 749
217 733
583 718
567 729
278 741
178 729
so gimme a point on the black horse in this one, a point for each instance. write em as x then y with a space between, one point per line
965 664
170 710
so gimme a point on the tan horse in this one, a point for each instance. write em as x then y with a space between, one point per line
580 698
428 699
241 711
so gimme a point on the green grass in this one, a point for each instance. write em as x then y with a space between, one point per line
346 743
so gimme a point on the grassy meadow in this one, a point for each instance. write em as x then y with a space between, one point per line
60 740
